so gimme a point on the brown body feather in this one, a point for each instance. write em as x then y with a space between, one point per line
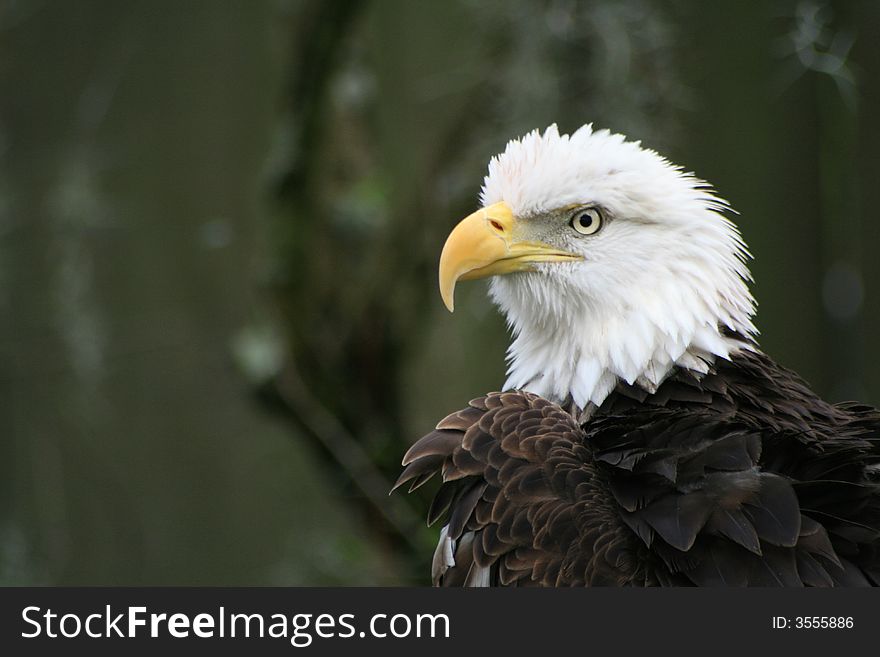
741 477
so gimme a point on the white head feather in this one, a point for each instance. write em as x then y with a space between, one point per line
657 284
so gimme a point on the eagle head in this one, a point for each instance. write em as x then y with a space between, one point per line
610 264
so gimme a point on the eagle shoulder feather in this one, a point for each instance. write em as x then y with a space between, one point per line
736 478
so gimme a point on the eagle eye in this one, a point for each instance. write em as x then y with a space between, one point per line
587 221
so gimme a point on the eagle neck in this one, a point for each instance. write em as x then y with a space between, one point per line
581 363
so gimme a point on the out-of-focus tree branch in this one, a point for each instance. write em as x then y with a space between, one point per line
315 54
308 412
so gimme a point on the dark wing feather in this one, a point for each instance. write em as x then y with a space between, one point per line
523 501
738 478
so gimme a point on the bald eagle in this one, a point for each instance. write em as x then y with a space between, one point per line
642 438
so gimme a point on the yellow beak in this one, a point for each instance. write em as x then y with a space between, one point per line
488 243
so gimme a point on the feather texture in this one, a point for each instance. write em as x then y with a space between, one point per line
741 477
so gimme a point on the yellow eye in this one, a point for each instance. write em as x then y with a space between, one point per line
587 221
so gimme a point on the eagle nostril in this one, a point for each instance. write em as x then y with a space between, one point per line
496 225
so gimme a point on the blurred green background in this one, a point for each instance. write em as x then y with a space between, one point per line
219 227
